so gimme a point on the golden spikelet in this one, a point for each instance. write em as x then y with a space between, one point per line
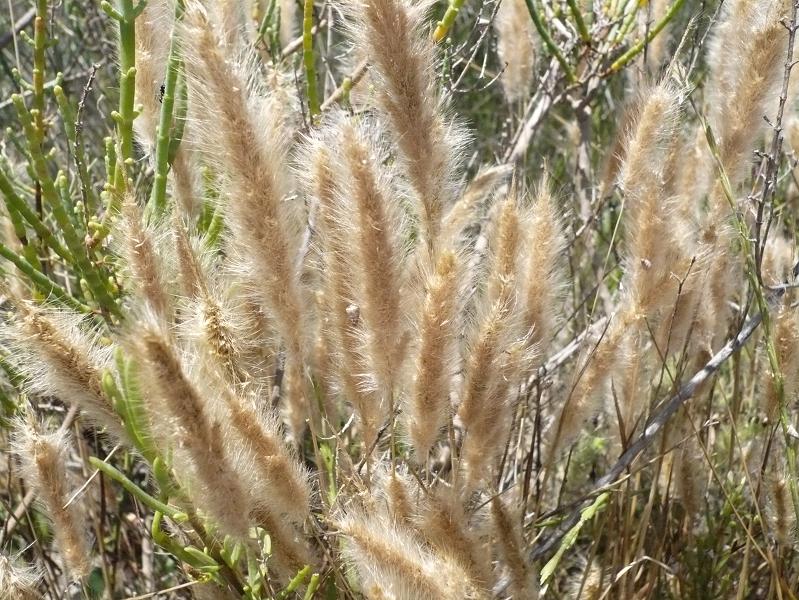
43 460
391 34
786 342
217 488
516 47
246 136
543 274
400 493
460 216
510 546
375 230
656 253
748 56
144 262
781 511
278 474
18 582
592 376
507 240
345 325
496 356
59 353
388 558
153 28
428 404
452 532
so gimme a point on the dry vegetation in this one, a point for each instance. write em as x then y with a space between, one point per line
385 299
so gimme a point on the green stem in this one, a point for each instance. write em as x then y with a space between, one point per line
127 88
39 45
125 14
313 585
548 42
446 22
579 21
165 121
136 491
13 201
17 205
314 105
43 283
58 207
70 126
637 48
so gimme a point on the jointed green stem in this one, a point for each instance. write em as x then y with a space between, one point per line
579 21
165 122
140 494
70 126
17 205
548 42
39 44
43 283
308 60
445 24
125 15
658 27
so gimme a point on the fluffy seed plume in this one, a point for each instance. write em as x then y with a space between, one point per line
652 249
392 563
780 511
217 488
750 50
391 33
345 325
245 136
374 228
276 475
145 263
43 460
453 533
511 549
18 582
153 27
428 405
786 342
543 275
516 48
58 352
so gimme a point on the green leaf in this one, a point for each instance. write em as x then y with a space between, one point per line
571 536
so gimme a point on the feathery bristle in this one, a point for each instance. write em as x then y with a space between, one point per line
18 582
345 325
453 533
544 275
59 353
516 47
153 28
428 404
220 492
391 34
43 460
263 227
511 550
375 230
145 263
389 558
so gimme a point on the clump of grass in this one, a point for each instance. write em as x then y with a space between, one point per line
295 349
